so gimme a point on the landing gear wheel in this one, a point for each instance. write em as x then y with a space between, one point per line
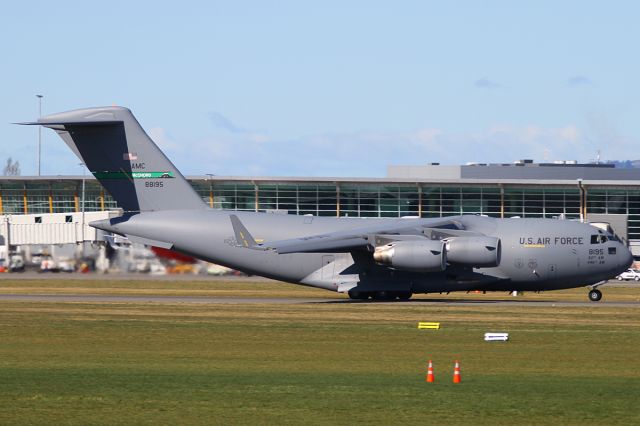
637 278
383 295
595 295
405 295
619 278
358 295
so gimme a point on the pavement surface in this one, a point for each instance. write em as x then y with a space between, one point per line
126 276
239 299
84 298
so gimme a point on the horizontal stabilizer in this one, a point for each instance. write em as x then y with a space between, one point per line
119 153
149 242
72 123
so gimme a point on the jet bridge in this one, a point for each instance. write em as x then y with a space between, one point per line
51 228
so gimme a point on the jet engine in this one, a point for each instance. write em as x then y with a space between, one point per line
413 255
479 252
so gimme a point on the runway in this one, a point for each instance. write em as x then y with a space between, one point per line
97 298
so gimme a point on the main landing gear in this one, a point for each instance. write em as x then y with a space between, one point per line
380 295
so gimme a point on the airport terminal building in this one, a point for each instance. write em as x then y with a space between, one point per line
522 189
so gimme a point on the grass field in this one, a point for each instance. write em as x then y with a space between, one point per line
311 363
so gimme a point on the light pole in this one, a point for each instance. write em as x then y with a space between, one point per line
209 176
84 169
39 131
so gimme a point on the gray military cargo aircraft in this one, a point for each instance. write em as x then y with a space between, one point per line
382 259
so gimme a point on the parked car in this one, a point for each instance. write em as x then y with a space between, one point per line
48 265
67 265
629 274
16 263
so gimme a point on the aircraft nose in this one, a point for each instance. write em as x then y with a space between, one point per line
625 256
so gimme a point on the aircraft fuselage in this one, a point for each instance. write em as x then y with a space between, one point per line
537 254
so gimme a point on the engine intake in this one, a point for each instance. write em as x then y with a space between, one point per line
479 252
418 256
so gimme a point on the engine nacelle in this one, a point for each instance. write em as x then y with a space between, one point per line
418 256
479 252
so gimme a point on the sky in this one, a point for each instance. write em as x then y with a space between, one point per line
329 88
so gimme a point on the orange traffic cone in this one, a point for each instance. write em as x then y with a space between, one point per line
430 378
456 373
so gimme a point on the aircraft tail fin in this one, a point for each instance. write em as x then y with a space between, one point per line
130 166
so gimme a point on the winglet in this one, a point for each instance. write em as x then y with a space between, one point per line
243 237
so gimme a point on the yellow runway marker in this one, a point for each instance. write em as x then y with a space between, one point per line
428 326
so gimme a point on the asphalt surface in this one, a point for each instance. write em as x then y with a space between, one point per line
296 300
125 276
98 298
101 298
132 276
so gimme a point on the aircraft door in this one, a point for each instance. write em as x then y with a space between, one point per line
328 267
553 272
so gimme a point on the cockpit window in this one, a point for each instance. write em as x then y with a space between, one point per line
603 228
598 239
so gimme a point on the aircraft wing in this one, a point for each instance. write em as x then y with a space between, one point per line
359 239
321 244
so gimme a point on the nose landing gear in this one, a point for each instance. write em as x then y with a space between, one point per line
595 295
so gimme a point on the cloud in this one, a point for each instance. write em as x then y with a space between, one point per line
367 154
579 80
485 83
225 126
160 136
603 135
224 123
506 143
